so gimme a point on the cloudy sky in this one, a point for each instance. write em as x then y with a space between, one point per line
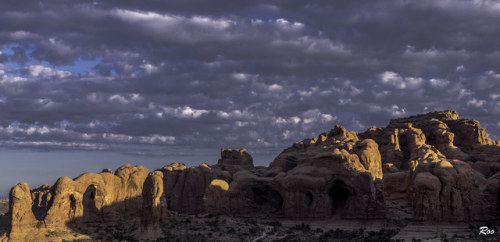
98 84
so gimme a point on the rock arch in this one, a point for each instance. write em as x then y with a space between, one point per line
266 198
339 194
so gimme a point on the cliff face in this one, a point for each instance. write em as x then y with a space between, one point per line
431 167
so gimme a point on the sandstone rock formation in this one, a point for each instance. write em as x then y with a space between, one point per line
431 167
235 160
88 198
152 194
442 181
22 218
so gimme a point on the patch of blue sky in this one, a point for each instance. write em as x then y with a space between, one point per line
82 66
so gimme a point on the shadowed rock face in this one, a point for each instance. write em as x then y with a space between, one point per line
431 167
235 160
41 197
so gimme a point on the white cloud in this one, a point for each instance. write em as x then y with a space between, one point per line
282 122
184 112
438 83
476 103
315 115
55 144
286 134
243 77
188 112
355 91
344 101
295 119
394 79
214 23
132 16
117 137
494 96
464 92
149 139
124 99
492 74
313 45
154 139
235 114
43 71
283 23
11 79
22 35
275 87
149 68
177 27
241 123
434 54
396 111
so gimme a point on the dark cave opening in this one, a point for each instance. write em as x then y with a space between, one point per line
309 198
89 203
38 208
339 193
430 139
266 199
72 207
403 145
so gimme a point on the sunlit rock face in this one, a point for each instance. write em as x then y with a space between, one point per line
430 167
91 197
450 167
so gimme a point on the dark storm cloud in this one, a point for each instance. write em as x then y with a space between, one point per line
251 74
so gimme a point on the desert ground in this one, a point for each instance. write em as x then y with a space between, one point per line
209 227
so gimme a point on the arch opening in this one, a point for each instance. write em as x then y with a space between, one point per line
403 145
72 207
266 199
89 202
339 194
309 198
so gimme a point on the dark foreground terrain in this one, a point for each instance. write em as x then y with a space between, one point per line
209 227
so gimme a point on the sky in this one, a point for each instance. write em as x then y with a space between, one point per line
86 85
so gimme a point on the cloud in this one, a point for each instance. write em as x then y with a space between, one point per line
43 71
476 103
195 74
275 87
184 112
396 111
438 83
395 80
